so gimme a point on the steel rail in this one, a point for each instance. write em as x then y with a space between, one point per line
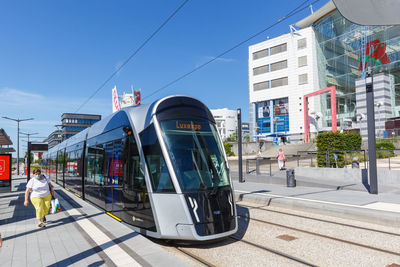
322 220
274 251
323 236
194 256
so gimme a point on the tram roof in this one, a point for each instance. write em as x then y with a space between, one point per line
139 117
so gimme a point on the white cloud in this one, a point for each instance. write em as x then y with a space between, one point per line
14 97
46 111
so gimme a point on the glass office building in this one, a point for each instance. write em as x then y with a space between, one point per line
341 46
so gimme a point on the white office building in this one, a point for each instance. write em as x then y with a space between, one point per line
226 121
281 71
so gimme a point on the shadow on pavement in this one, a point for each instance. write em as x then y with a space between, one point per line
84 254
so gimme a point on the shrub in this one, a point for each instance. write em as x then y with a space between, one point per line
352 141
228 149
384 154
329 141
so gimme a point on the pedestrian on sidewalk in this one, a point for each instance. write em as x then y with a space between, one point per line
41 192
281 159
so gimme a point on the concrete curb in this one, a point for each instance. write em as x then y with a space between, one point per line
344 211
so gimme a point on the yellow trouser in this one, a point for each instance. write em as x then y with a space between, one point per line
42 205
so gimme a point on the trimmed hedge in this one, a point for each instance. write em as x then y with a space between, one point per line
328 141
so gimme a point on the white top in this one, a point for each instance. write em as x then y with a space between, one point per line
40 188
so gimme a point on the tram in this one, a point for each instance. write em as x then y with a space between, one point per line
160 167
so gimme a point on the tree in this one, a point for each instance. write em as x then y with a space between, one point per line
233 137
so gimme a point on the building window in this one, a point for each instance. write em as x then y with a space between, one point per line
260 54
303 79
261 86
302 61
279 82
261 70
302 43
278 49
279 65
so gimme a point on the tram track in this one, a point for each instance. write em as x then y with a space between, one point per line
320 235
274 251
194 257
320 220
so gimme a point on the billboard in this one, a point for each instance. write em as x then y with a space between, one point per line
5 170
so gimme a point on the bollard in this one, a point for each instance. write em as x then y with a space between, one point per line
290 180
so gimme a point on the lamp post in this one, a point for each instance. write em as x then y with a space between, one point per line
373 176
18 121
28 134
239 127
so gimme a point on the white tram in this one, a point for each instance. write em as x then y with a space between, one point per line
160 167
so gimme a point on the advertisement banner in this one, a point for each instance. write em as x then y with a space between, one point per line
115 100
5 170
137 96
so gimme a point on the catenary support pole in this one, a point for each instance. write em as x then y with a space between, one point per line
239 127
373 176
28 162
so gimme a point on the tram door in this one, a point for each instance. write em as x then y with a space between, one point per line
130 198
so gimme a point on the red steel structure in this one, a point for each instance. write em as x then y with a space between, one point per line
332 90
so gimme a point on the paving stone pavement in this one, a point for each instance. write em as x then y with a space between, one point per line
64 242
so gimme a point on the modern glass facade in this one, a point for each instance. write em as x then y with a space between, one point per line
340 49
272 116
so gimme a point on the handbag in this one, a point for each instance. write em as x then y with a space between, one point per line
55 206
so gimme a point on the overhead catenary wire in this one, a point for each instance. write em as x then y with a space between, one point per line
296 10
133 54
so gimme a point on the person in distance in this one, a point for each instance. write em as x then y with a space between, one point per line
281 159
41 192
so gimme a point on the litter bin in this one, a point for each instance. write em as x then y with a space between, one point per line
290 181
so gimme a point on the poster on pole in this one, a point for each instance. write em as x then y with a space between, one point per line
115 100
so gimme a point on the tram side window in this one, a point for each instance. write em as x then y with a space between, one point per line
91 156
60 165
100 169
72 172
159 175
52 166
134 170
96 168
117 163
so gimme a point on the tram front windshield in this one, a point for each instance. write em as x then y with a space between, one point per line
196 153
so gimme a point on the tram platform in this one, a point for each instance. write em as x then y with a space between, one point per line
80 235
336 198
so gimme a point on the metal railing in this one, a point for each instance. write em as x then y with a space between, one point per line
258 162
344 159
334 155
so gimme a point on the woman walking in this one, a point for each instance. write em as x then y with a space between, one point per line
281 159
41 191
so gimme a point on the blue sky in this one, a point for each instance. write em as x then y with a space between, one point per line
55 54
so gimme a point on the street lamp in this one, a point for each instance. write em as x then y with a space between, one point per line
28 134
18 121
